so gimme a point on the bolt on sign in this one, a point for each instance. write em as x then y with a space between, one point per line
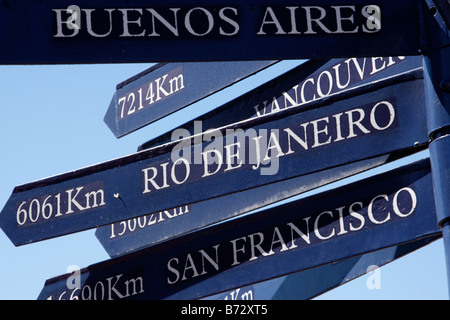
137 233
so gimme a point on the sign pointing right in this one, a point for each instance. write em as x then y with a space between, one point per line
85 31
308 83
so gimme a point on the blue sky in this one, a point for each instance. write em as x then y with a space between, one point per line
52 123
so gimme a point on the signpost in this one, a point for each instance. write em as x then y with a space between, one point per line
84 31
253 153
166 88
345 129
375 213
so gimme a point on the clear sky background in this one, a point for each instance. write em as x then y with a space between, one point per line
51 122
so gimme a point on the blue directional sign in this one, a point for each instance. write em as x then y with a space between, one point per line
299 87
385 210
84 31
256 152
166 88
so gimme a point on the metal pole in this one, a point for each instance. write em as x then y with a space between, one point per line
437 80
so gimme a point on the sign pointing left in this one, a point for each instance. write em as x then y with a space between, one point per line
166 88
238 157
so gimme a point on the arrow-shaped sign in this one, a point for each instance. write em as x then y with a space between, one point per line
166 88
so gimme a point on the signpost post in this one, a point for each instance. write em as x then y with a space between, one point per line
437 76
